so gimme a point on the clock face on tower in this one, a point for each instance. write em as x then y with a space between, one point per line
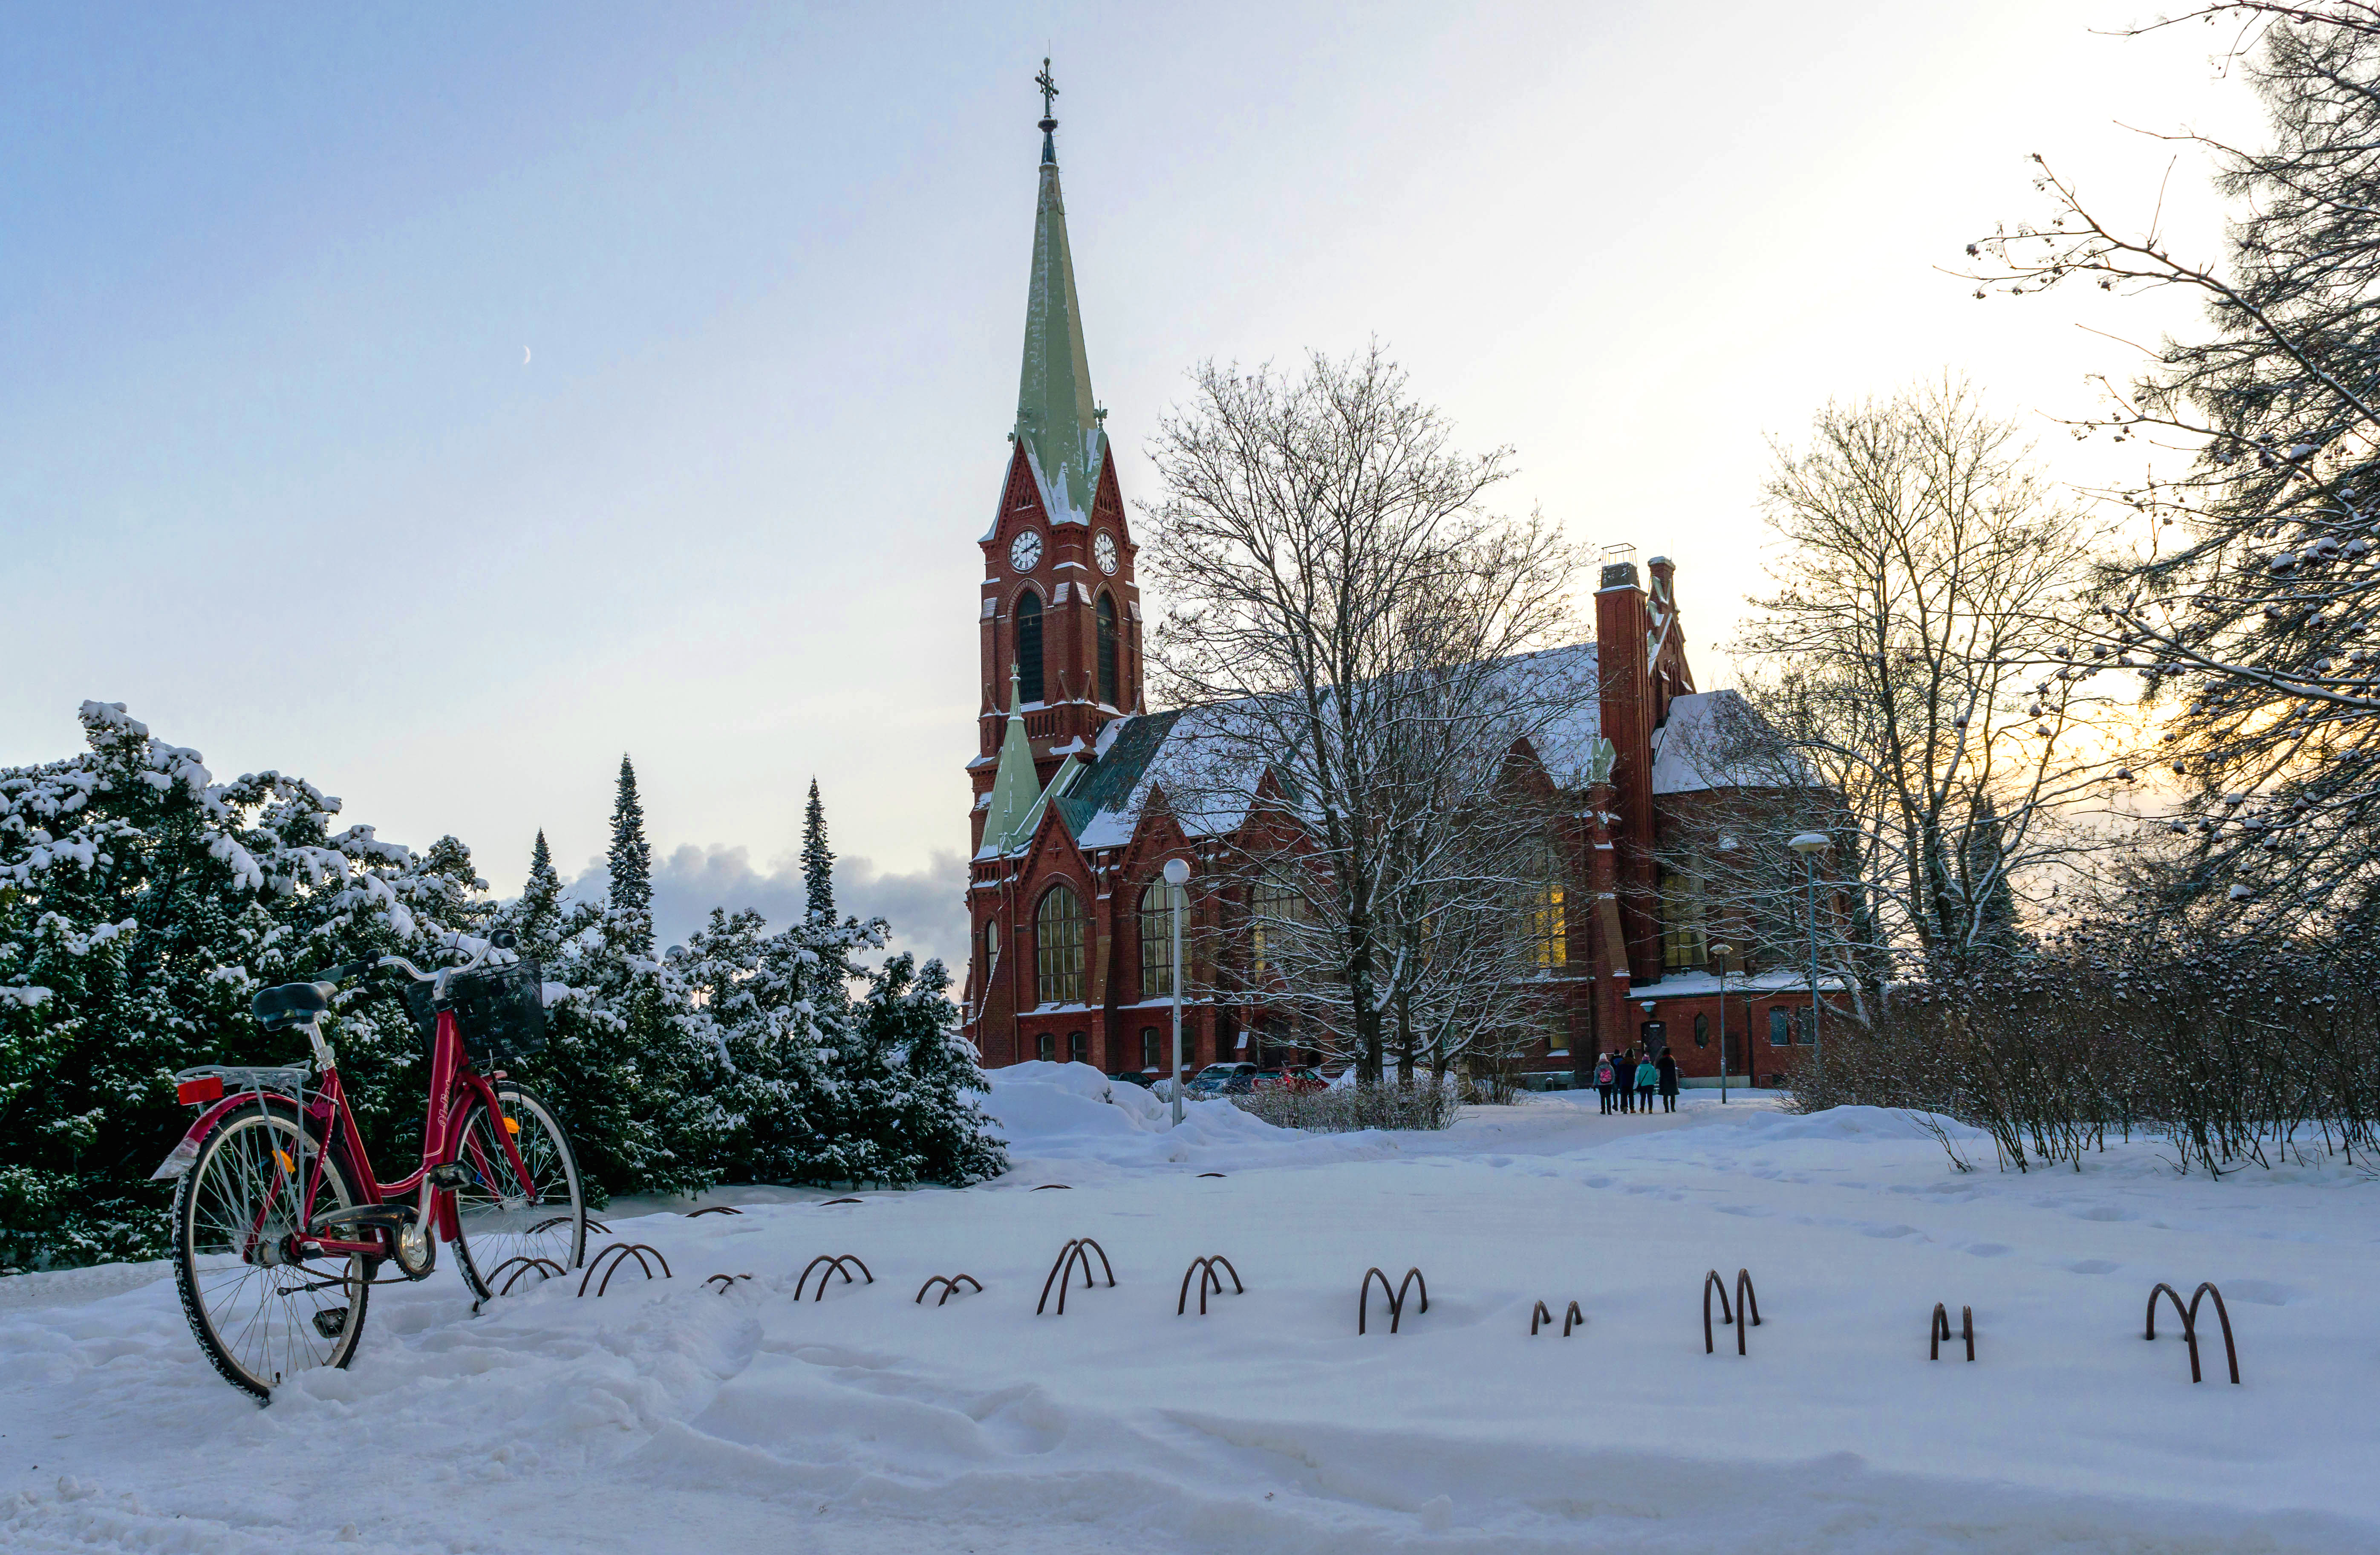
1025 551
1103 550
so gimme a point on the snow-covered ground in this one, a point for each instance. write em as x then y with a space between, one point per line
668 1417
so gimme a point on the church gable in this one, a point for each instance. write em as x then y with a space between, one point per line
1020 499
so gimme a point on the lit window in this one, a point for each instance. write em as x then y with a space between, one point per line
1548 924
1273 906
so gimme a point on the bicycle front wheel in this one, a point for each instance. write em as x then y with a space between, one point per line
260 1312
509 1228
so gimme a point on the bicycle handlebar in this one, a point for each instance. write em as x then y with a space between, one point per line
500 942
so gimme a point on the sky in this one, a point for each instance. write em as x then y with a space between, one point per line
439 402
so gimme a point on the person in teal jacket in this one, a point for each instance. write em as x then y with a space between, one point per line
1648 1076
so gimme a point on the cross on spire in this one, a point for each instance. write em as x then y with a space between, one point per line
1048 91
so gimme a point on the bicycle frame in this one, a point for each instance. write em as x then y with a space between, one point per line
454 1086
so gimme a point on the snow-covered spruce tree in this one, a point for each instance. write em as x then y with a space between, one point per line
637 1087
540 917
943 1135
749 1000
2251 610
631 860
817 859
142 902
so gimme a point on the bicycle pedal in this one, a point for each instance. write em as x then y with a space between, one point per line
331 1322
453 1175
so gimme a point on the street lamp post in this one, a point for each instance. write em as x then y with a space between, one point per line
1177 875
1721 952
1809 844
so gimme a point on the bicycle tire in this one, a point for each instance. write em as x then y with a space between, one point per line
242 1174
492 1228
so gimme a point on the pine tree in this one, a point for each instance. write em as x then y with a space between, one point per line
632 869
818 860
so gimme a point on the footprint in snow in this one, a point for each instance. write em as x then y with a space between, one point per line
2092 1265
1988 1249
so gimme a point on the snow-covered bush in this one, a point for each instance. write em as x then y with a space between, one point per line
1342 1109
142 902
2231 1051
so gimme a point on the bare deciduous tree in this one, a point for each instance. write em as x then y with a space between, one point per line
1914 661
1348 613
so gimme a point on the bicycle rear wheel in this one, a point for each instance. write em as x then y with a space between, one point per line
260 1315
505 1226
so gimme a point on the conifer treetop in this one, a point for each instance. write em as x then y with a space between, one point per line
818 860
631 861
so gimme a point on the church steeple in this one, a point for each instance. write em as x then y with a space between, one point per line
1057 421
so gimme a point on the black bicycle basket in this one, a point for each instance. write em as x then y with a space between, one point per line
500 1010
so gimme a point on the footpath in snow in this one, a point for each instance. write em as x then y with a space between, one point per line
667 1416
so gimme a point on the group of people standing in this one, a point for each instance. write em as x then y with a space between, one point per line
1628 1081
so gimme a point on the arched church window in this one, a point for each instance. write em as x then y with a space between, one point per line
1275 908
1157 941
1547 918
1110 681
1058 947
1028 646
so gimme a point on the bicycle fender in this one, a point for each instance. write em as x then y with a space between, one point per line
186 1154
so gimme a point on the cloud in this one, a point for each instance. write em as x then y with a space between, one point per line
927 909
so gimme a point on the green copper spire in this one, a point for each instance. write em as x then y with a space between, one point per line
1013 787
1056 419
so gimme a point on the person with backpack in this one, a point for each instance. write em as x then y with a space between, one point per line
1605 1078
1667 1069
1648 1076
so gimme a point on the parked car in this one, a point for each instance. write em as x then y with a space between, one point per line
1139 1076
1224 1079
1297 1077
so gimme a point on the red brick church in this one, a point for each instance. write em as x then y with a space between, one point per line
1071 828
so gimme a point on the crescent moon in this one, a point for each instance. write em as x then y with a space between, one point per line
524 356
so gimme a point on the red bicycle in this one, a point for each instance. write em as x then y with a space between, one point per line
281 1227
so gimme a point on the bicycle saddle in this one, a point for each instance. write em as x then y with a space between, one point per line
290 1005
